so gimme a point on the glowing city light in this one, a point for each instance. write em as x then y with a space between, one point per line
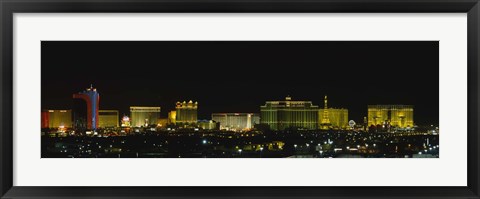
230 133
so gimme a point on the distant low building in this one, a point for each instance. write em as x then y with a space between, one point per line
236 121
57 119
144 116
208 125
108 118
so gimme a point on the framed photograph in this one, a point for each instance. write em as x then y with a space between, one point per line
239 99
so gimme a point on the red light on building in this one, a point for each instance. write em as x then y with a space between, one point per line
45 119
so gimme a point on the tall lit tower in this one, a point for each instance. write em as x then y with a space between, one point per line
325 120
91 97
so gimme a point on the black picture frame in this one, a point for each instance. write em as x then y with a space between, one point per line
9 7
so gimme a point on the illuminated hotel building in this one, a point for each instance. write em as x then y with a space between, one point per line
144 116
279 115
236 121
108 118
332 118
85 114
186 112
208 125
400 116
57 119
125 121
172 117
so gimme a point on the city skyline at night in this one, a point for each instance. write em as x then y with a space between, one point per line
154 74
240 99
320 114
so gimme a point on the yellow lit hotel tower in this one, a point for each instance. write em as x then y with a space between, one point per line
144 116
400 116
280 115
186 113
332 118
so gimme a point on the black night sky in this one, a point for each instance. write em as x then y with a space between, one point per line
239 76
